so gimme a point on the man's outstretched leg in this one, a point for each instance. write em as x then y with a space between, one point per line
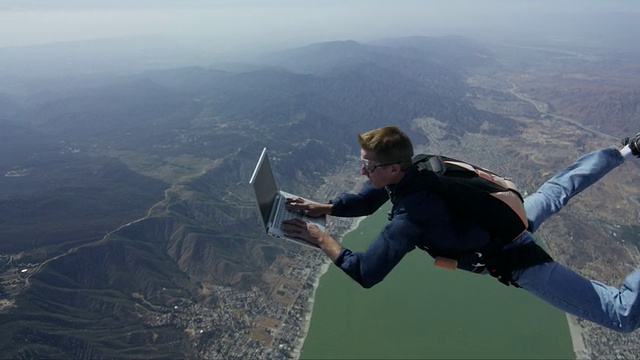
614 308
557 191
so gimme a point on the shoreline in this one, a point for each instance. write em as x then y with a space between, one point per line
579 347
297 350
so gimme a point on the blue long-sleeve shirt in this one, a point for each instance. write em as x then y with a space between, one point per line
419 219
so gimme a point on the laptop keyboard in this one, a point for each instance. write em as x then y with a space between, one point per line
283 214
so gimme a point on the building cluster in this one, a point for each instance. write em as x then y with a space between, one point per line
254 324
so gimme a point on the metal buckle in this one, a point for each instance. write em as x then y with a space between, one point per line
478 264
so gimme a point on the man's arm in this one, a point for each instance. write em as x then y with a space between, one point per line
369 267
330 246
365 202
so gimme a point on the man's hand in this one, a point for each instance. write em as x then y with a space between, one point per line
308 208
306 231
311 233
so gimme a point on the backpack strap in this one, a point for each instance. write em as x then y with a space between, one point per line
429 166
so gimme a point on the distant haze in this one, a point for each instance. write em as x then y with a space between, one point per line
242 24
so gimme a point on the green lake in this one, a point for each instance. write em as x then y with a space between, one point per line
421 311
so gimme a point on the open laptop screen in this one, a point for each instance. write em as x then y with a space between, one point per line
264 184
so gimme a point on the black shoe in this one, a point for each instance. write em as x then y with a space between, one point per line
634 144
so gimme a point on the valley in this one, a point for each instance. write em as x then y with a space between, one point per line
128 227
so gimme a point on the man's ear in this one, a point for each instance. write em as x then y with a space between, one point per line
395 168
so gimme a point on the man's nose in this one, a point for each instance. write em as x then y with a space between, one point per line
363 170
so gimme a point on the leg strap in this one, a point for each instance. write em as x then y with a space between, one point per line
503 263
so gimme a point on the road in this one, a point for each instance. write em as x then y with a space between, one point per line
543 109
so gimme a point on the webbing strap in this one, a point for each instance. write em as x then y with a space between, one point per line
503 263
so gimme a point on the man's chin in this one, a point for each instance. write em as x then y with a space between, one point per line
374 184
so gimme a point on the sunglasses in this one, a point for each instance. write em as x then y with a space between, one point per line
371 166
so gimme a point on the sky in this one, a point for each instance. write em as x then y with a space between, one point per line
236 24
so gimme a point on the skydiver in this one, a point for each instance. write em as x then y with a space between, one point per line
422 219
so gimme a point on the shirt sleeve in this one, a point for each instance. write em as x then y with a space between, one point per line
371 266
365 202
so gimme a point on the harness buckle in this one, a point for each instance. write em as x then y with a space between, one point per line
478 266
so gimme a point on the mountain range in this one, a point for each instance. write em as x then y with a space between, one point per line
125 207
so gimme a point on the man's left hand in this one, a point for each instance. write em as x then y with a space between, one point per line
304 230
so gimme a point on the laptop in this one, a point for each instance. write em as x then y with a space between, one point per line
271 202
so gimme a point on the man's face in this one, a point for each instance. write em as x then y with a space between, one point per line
378 173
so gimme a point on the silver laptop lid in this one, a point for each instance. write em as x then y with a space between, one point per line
264 185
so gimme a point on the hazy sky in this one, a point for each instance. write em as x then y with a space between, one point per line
229 24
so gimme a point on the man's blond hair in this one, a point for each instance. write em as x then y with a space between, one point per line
389 145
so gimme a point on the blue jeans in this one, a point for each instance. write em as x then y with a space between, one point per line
617 309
